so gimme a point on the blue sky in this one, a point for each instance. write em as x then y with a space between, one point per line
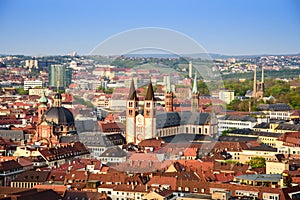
232 27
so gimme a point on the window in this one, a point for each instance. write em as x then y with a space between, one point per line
147 112
148 104
200 131
130 104
195 190
130 112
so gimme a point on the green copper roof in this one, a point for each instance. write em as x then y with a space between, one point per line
43 99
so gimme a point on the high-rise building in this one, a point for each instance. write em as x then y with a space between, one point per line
60 76
32 64
226 95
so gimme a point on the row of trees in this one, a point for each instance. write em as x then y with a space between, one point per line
280 90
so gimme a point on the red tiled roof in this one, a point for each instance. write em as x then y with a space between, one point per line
163 180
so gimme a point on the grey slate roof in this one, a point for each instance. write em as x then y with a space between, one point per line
94 139
186 138
261 177
113 152
169 119
250 132
262 125
237 138
290 127
87 125
274 107
238 118
98 139
12 134
263 147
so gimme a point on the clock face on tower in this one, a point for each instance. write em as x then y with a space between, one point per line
139 119
140 137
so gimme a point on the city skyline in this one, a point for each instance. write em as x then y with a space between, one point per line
230 28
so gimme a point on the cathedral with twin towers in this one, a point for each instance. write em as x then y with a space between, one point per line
145 122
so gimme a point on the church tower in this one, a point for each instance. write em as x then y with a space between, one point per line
149 113
254 83
42 107
57 100
168 97
195 96
258 87
131 112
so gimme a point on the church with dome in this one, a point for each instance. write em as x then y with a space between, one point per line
53 123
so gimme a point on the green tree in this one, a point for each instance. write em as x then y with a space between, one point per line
22 91
106 91
257 162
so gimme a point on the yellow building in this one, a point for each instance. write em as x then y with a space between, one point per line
258 151
273 167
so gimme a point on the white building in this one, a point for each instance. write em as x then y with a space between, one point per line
229 122
226 95
279 111
32 84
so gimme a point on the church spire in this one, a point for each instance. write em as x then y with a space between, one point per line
150 93
132 92
195 89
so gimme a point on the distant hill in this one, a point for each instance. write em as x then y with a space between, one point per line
204 55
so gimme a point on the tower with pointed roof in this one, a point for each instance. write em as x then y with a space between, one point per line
149 113
168 97
195 96
258 87
131 112
42 107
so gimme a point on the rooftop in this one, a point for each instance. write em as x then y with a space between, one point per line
260 177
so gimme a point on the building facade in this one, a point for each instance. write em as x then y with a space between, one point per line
60 76
144 122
